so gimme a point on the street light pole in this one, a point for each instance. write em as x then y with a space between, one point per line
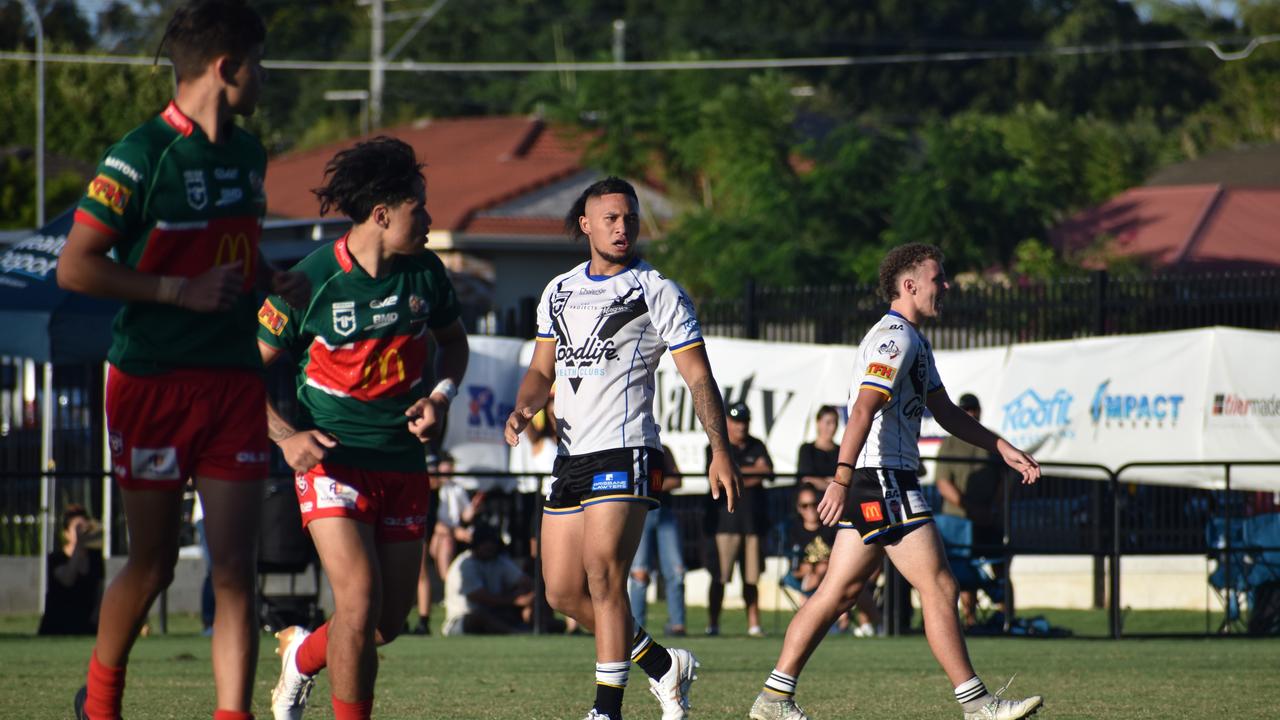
35 18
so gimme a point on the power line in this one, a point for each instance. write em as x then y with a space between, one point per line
683 65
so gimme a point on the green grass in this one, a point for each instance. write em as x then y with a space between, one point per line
551 677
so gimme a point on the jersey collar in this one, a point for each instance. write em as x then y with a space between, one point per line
343 255
178 120
586 270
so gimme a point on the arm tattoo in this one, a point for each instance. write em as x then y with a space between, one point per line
277 427
710 410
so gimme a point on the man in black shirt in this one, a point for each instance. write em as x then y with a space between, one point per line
738 534
75 577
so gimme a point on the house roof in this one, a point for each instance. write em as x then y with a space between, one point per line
1186 225
473 164
1254 166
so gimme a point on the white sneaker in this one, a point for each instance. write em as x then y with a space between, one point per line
672 690
593 715
755 631
783 708
289 697
865 630
1006 709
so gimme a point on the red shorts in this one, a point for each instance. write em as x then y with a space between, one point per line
185 423
395 503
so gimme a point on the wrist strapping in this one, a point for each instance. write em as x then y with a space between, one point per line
446 387
171 287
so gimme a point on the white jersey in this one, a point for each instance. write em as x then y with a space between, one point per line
895 359
609 333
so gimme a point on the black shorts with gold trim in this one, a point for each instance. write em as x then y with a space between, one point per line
622 475
884 504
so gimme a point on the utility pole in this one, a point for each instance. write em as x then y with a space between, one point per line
619 41
35 18
377 74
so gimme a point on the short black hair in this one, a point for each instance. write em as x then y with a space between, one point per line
201 30
71 512
827 409
903 259
381 171
609 186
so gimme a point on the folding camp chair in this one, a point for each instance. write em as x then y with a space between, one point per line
973 571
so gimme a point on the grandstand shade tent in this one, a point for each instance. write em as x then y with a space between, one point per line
49 325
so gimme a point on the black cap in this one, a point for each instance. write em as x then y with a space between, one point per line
740 411
969 401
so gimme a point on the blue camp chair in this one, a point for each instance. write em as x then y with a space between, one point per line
971 570
1233 566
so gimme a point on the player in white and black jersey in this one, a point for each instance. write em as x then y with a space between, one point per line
876 499
602 328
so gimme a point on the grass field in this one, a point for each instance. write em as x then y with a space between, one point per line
551 677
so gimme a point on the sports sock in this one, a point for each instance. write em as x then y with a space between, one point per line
105 690
780 684
231 715
649 655
359 710
972 694
611 682
311 657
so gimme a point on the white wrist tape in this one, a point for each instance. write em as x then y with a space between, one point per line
446 387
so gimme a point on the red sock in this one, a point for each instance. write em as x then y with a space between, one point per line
231 715
362 710
311 656
105 690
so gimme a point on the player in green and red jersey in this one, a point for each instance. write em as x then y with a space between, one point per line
180 201
361 350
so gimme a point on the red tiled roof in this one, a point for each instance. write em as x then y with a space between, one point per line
472 164
1182 225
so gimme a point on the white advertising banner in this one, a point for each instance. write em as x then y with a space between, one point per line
1208 394
478 414
1108 401
1241 417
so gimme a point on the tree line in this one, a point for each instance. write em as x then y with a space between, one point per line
785 176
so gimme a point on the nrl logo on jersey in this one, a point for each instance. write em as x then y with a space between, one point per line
344 317
558 300
197 194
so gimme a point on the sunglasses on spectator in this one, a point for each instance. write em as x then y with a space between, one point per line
806 506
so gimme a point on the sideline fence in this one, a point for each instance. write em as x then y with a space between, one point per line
1105 518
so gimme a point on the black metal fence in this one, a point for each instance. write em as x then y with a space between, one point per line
992 314
1105 518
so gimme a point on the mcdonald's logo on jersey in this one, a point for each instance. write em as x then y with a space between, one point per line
871 511
386 366
235 248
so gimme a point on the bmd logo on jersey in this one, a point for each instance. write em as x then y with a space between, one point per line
344 317
197 193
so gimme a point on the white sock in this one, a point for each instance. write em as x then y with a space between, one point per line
612 673
781 683
972 694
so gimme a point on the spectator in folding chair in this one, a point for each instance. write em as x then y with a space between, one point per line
971 487
809 543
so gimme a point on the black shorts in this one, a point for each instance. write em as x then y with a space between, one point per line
883 505
625 474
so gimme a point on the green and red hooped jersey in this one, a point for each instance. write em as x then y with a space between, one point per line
178 204
361 350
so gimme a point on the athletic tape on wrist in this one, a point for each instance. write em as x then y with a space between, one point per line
446 387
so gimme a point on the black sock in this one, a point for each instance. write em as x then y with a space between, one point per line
649 655
611 682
